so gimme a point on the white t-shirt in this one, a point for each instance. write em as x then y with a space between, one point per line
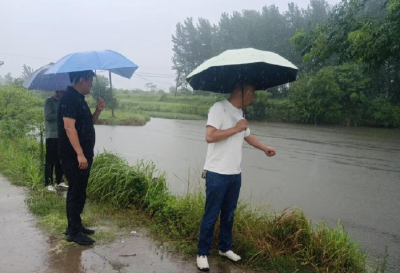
225 157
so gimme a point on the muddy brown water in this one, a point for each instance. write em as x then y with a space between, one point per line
332 173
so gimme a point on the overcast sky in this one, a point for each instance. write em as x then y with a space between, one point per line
35 32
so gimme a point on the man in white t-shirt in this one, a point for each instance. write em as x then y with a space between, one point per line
226 129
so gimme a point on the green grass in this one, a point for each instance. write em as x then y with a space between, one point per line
165 107
109 222
20 161
180 116
136 108
168 106
265 240
122 117
122 196
186 107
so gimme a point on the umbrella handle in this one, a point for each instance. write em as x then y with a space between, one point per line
244 110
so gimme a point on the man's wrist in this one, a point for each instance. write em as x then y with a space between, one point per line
237 130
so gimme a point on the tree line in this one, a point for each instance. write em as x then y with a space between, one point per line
347 54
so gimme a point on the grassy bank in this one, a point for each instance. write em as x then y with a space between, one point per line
122 196
187 107
20 163
122 117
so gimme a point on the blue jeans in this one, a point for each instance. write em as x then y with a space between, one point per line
222 194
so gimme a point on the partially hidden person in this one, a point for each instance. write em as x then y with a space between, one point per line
51 134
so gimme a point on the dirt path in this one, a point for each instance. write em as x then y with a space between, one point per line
24 248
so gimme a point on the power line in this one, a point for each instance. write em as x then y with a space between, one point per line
158 74
154 76
150 80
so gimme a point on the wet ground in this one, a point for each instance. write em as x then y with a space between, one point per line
137 253
25 249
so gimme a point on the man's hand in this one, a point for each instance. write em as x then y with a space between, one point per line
83 164
101 105
242 125
269 152
253 141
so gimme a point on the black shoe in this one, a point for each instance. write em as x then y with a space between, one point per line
83 230
80 239
87 231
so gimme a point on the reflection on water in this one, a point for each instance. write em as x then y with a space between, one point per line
65 259
332 173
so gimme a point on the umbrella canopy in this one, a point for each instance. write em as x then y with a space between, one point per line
264 69
40 81
95 60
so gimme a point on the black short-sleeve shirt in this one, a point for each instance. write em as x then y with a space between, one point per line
73 105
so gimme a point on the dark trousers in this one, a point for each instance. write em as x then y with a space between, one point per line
222 194
76 196
52 162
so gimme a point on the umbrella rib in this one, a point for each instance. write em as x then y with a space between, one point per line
98 58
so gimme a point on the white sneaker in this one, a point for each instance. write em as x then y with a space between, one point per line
202 263
50 188
230 255
62 185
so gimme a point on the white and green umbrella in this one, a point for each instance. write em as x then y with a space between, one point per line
263 69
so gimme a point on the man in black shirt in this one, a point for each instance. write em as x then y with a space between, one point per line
76 138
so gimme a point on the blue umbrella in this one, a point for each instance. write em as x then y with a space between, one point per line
40 81
95 60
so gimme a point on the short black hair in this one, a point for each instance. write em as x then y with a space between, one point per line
75 77
241 84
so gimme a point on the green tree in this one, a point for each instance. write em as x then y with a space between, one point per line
151 87
101 89
27 71
354 87
365 31
377 44
258 109
317 98
193 44
18 112
9 80
268 29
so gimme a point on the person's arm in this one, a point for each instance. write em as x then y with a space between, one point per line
100 107
69 126
214 135
49 113
253 141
